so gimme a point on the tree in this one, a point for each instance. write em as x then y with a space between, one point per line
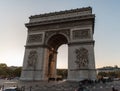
62 72
9 72
102 74
115 66
17 72
3 70
3 65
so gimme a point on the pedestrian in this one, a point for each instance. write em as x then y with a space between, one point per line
113 89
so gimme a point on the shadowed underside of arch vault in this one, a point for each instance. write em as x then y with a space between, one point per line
56 41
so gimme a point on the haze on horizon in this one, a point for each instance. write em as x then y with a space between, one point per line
13 33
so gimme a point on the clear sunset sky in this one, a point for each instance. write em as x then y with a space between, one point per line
14 14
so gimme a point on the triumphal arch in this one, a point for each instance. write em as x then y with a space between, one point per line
47 32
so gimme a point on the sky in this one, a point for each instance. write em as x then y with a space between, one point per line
13 33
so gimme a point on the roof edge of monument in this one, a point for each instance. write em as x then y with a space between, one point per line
61 12
60 20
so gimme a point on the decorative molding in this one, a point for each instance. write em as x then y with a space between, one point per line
65 25
81 34
61 15
49 33
66 32
58 21
81 58
87 42
35 38
32 58
83 69
32 70
63 12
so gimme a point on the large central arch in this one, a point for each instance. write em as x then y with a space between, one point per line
53 43
46 32
56 40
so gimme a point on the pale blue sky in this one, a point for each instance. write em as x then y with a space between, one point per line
14 14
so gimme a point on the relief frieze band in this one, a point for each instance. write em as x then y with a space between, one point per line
60 25
81 34
35 38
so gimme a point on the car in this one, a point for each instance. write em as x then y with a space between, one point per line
11 89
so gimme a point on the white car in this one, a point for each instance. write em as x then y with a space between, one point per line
11 89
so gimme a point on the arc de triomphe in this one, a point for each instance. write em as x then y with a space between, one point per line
47 32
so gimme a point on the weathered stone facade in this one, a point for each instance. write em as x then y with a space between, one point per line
47 32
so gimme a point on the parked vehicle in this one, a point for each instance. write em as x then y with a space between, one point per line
11 89
10 84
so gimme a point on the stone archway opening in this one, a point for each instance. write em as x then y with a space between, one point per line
62 62
62 57
54 43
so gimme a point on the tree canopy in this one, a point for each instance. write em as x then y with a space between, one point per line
9 72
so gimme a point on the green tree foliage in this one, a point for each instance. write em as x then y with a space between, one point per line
3 70
9 72
3 65
112 72
17 71
115 74
62 72
103 74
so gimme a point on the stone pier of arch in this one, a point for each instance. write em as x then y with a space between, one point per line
47 32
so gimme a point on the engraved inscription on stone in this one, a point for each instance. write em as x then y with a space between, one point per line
81 34
32 58
35 38
81 57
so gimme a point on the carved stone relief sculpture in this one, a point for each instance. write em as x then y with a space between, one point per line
81 34
81 57
32 58
35 38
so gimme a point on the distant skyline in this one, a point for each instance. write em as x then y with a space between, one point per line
13 33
